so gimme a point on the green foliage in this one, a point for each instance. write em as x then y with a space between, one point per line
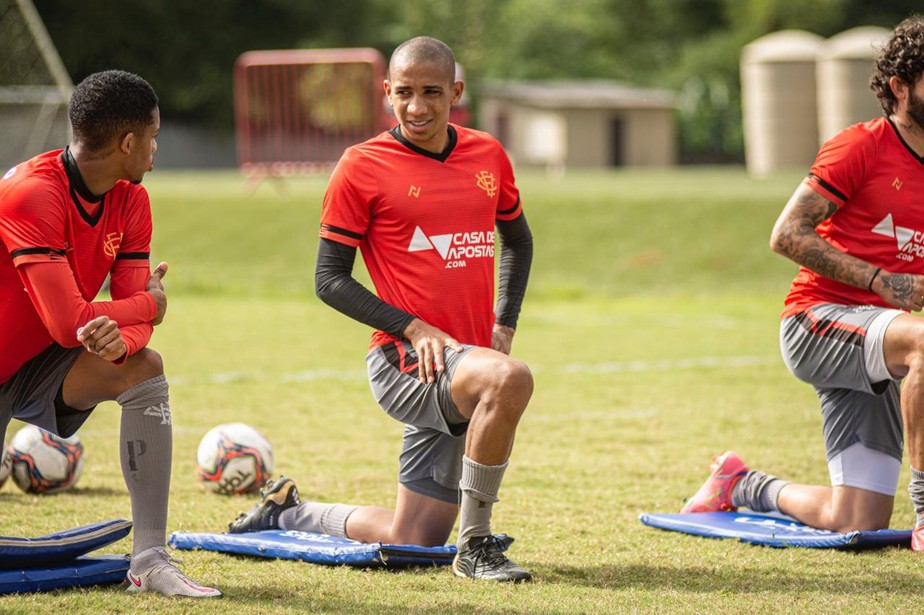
187 49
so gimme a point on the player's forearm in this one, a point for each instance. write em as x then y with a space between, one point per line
335 286
135 337
513 270
63 309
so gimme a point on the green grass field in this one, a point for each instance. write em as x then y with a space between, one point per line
651 326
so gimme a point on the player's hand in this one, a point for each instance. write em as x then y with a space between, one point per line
903 290
102 337
155 287
429 342
502 338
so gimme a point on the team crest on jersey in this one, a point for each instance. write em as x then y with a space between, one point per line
910 242
112 244
455 248
486 182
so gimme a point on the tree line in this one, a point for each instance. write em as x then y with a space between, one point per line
187 49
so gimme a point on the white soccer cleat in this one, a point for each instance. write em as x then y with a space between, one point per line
165 578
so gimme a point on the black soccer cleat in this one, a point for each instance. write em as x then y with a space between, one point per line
277 496
483 558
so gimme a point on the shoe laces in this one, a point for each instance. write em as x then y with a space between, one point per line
270 483
162 558
489 553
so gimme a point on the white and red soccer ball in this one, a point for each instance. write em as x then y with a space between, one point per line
41 462
234 458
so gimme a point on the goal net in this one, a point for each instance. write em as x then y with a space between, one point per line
34 86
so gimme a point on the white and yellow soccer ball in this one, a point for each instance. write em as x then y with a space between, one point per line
41 462
234 458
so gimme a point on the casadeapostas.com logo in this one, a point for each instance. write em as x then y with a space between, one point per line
455 248
910 242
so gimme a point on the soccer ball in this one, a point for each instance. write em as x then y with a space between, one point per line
4 465
234 458
42 462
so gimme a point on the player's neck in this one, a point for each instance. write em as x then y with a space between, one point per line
96 169
911 131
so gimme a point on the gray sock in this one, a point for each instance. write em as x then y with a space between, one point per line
146 453
758 491
317 517
916 491
479 486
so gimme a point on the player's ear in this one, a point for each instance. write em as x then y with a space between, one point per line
457 89
127 142
899 88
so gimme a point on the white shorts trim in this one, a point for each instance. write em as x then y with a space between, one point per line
872 347
864 468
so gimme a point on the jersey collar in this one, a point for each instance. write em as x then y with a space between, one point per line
442 156
901 139
79 190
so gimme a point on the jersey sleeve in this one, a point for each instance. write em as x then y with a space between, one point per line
346 208
33 222
135 246
841 164
508 203
54 293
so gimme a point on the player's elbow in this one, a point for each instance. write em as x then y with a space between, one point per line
779 241
326 286
63 333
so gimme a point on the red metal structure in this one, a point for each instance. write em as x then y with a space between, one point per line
297 110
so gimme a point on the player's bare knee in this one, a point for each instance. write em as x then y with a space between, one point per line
143 365
514 383
862 521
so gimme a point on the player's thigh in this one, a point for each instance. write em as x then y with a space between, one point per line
92 380
33 394
422 520
838 346
852 417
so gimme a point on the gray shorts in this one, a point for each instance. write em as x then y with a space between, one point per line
33 394
838 350
434 433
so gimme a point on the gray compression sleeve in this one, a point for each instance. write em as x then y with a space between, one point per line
335 285
513 270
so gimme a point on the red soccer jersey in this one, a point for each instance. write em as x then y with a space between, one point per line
876 181
44 222
424 224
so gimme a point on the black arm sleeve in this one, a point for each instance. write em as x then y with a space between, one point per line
513 270
334 284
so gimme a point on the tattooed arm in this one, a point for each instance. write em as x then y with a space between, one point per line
794 236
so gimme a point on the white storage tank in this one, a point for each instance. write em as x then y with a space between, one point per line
845 63
778 97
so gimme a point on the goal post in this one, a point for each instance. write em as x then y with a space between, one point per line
34 86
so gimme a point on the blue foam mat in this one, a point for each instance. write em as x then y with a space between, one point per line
772 531
318 548
80 572
19 553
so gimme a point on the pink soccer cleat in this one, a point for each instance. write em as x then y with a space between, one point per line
917 538
715 494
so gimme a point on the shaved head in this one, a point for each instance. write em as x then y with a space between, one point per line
424 49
